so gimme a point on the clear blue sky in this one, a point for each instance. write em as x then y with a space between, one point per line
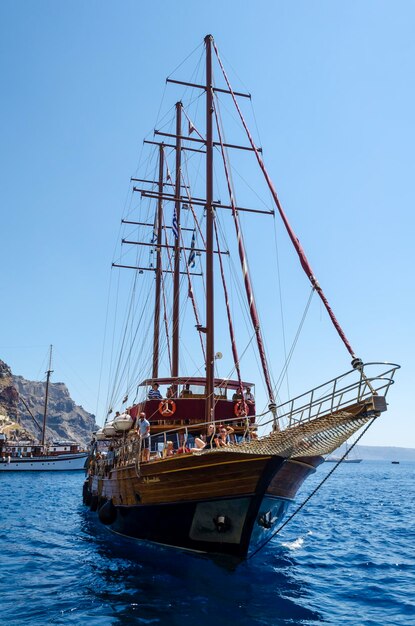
333 86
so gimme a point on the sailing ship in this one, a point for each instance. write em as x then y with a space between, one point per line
193 463
17 455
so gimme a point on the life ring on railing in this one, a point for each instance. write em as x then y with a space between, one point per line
167 407
240 408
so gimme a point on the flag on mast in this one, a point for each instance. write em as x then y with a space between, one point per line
175 226
154 237
192 256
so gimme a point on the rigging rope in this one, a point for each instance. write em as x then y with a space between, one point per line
245 270
296 243
291 352
321 483
166 323
228 311
193 300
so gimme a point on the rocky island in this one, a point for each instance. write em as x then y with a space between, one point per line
19 398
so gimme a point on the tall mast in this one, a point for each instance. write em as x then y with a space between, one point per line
45 410
156 340
209 235
176 229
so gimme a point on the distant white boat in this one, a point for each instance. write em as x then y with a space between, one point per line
38 456
60 462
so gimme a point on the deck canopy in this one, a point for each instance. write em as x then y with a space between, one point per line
185 380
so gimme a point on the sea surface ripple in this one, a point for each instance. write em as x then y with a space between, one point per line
348 557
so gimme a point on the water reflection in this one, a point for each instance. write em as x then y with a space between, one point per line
135 583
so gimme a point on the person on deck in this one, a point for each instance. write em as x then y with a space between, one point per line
210 439
144 430
238 395
169 451
154 393
224 438
249 397
186 392
134 417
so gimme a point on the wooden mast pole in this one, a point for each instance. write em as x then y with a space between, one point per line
156 340
209 236
45 410
176 279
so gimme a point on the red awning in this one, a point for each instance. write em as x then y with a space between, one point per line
185 380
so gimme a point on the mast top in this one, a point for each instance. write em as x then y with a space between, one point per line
50 370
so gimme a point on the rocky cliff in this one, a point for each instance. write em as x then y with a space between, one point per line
65 419
9 396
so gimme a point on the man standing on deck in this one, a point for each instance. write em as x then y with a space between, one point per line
144 430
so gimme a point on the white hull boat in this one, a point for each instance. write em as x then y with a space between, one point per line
64 462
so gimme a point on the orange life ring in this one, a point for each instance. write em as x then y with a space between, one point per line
240 409
167 407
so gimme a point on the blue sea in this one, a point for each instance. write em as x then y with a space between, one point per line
347 558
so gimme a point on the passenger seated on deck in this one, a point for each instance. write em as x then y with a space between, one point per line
238 395
170 392
224 432
210 439
249 397
186 392
154 393
169 450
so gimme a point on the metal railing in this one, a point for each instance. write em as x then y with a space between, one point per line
353 387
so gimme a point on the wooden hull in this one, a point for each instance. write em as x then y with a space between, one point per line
221 503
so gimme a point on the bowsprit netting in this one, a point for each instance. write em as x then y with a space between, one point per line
320 420
316 437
